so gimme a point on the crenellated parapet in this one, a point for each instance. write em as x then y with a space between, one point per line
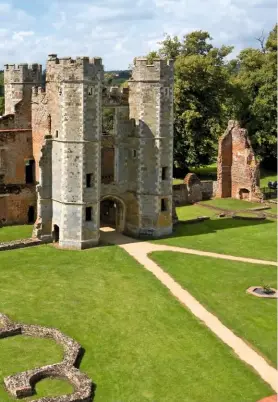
68 69
18 80
22 73
159 70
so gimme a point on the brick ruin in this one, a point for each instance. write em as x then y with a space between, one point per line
61 168
238 172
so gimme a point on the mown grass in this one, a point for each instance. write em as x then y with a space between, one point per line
220 285
253 239
194 211
17 232
231 204
140 343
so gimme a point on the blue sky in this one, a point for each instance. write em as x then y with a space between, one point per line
119 30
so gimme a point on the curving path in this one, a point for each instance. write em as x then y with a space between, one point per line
140 251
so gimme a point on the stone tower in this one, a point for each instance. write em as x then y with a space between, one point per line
238 171
19 80
69 190
151 106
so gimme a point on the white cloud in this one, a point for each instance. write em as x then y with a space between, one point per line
119 30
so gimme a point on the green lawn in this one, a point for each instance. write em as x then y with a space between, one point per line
193 211
253 239
220 286
231 204
12 350
140 343
9 233
267 176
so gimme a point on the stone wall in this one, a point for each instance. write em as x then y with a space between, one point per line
151 106
238 173
209 189
16 197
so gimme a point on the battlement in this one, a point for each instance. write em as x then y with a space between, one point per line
159 70
79 60
22 73
73 69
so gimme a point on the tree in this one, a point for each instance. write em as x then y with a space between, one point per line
201 87
256 105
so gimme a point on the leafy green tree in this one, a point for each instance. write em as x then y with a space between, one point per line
256 105
201 87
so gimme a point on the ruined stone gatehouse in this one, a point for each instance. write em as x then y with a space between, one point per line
238 172
87 176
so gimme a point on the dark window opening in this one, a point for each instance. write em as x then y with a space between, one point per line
29 171
163 205
57 134
89 180
164 173
88 214
134 153
56 234
31 214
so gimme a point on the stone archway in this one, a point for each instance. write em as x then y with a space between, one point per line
113 212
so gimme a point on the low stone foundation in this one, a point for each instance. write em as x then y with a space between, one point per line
12 245
23 384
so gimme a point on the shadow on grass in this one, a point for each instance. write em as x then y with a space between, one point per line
184 229
213 226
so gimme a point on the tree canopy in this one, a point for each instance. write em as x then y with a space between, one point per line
209 90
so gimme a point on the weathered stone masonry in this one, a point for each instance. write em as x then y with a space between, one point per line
238 174
17 192
87 177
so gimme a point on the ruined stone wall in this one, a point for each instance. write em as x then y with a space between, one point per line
19 80
238 170
15 195
41 125
151 106
15 149
14 207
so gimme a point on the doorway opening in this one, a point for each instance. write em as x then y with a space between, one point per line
112 213
56 234
31 214
244 194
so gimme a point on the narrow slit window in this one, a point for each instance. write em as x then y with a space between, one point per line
134 153
88 214
89 180
164 173
57 133
163 205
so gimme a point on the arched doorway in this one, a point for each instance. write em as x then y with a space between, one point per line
244 194
56 234
112 213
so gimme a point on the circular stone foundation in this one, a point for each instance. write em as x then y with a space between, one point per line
258 291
